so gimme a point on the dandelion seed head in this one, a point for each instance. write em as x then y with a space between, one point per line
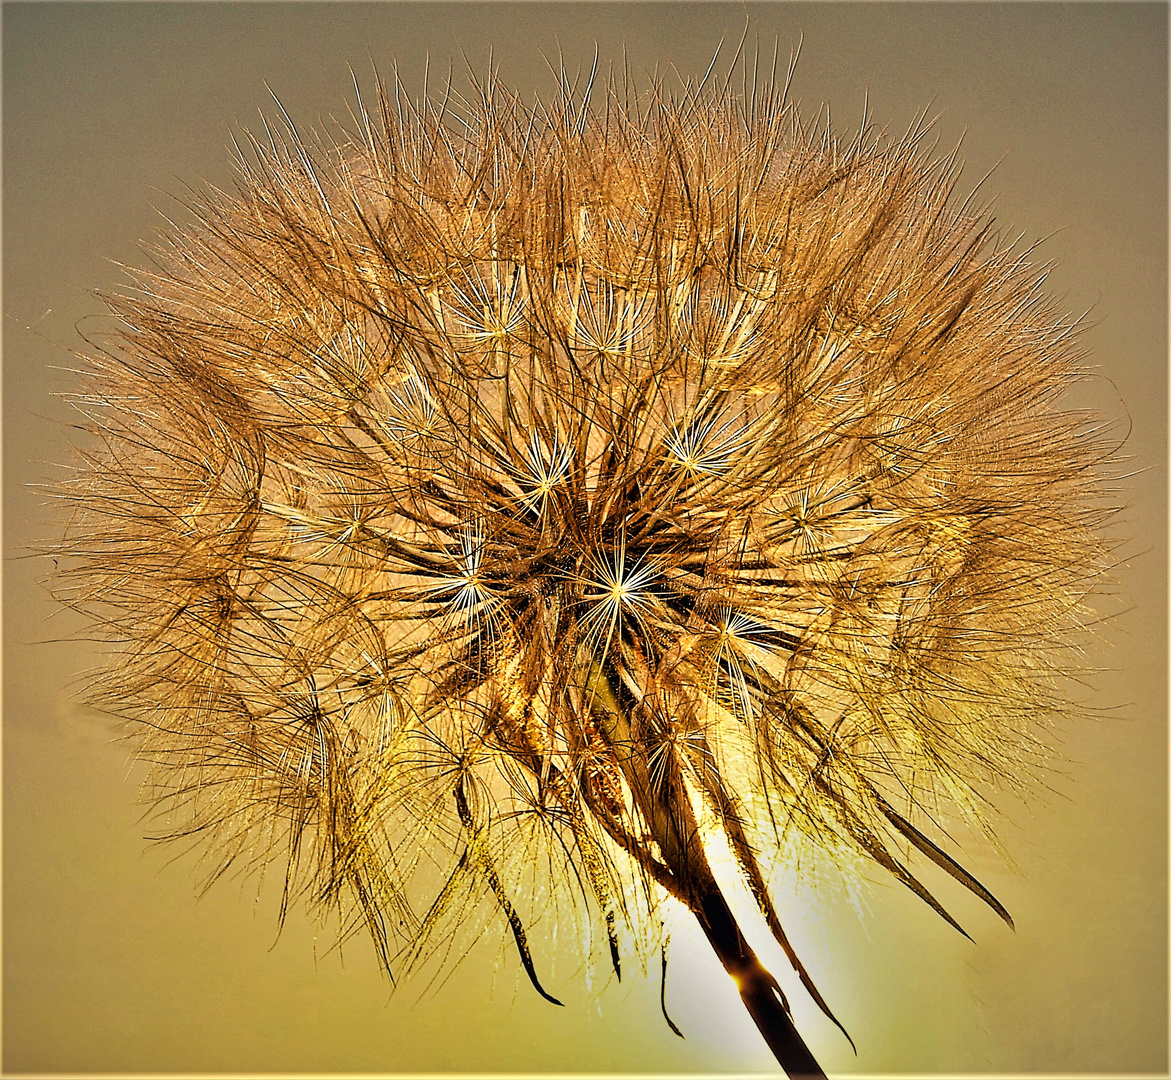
469 487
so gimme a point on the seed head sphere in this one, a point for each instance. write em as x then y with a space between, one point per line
495 504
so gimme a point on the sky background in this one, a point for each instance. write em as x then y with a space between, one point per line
111 964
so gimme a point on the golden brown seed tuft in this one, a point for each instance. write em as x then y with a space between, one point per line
482 504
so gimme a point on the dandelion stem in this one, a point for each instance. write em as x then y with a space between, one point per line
759 991
665 806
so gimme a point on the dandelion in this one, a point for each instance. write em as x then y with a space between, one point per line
494 505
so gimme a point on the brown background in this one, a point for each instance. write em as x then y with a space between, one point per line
110 964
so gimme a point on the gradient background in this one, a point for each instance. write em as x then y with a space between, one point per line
110 963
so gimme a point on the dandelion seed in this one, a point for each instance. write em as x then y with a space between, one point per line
492 504
541 476
465 591
704 448
489 312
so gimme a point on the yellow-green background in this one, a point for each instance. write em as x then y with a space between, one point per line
110 964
